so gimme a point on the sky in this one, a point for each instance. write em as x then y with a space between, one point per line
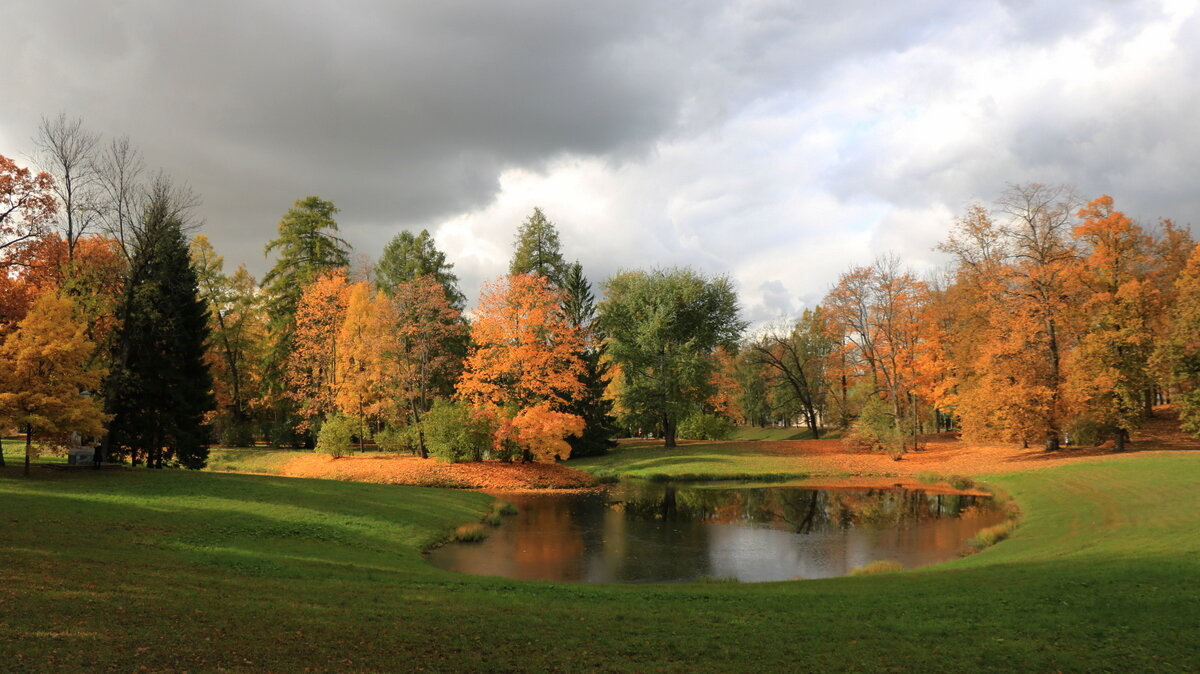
778 143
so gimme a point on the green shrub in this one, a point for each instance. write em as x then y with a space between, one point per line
700 426
237 435
878 566
391 439
336 436
1086 430
455 433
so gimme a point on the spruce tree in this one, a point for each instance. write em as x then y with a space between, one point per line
160 389
596 410
537 249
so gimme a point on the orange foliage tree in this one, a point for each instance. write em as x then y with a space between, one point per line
524 365
27 203
312 363
47 371
1109 370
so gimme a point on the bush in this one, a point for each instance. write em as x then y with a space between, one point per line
875 430
336 436
878 566
391 439
701 426
1086 430
454 432
237 435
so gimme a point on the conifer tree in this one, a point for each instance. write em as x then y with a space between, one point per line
160 389
537 250
408 257
600 427
307 246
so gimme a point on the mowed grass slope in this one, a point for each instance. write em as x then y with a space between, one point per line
199 571
695 461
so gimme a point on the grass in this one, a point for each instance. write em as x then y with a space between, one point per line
772 433
210 571
251 460
693 461
878 566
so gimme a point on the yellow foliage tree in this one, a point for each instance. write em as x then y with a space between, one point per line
47 374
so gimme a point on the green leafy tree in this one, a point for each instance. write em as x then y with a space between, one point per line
662 328
537 249
795 362
307 246
160 388
46 376
408 257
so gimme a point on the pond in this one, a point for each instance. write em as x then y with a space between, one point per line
639 532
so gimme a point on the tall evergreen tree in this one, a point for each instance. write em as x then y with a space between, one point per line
600 427
408 257
537 249
160 389
307 245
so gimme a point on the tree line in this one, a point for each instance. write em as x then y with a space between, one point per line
1056 319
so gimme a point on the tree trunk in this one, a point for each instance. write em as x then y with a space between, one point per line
1051 441
668 433
28 446
1119 440
412 404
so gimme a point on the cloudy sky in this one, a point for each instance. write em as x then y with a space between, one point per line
776 142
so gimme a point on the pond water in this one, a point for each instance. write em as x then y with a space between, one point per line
651 532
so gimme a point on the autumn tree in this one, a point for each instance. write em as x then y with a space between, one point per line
27 204
876 313
48 378
427 335
662 327
537 249
1016 311
1179 352
1109 370
523 363
409 256
311 368
237 327
159 389
365 360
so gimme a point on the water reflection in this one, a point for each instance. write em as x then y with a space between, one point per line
647 532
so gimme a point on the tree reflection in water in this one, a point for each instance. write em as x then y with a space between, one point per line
650 532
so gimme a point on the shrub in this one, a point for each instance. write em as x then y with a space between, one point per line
336 436
392 439
878 566
237 435
701 426
454 432
1086 430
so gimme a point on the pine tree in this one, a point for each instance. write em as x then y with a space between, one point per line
408 257
537 250
307 247
160 389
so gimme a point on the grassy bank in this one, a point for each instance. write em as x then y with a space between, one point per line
649 460
201 571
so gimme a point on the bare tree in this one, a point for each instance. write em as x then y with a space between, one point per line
119 170
67 151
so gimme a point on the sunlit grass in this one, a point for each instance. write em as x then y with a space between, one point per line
207 571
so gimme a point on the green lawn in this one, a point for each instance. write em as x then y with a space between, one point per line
209 571
251 460
776 433
698 461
